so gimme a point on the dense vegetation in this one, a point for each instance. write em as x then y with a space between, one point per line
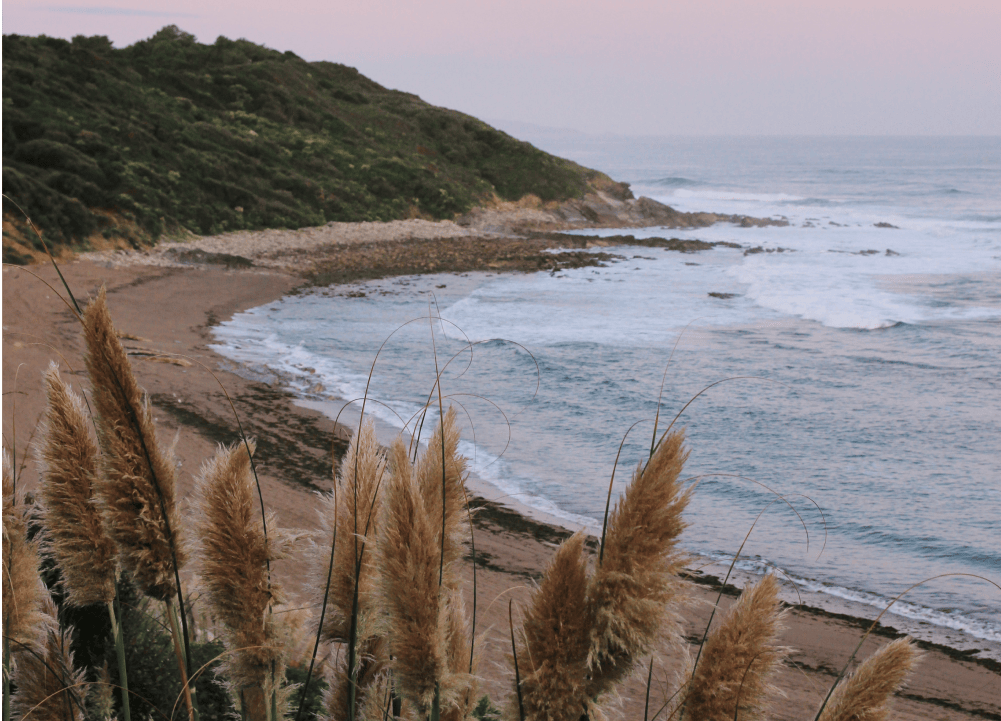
168 135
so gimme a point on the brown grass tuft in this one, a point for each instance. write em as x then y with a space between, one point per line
24 595
867 693
354 510
429 479
738 660
138 492
557 633
632 593
74 531
233 556
416 608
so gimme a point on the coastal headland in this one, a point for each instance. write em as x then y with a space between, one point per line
165 301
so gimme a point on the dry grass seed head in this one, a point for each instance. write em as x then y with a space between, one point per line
354 511
408 586
233 557
47 685
633 591
138 493
74 530
739 658
866 694
429 479
557 633
24 596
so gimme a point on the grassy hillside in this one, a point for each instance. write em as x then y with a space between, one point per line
169 134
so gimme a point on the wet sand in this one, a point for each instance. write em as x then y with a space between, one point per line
170 308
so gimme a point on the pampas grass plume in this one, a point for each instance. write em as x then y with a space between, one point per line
354 511
138 490
633 589
866 694
74 532
738 660
408 586
233 558
24 595
557 633
429 480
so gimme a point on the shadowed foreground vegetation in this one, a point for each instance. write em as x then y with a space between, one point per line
169 135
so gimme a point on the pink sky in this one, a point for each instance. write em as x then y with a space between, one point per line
715 66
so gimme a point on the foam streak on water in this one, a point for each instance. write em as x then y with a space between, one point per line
876 391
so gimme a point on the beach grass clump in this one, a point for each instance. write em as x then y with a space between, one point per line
24 595
440 476
344 574
75 535
866 694
738 660
234 556
636 587
557 638
419 553
409 588
584 632
139 475
353 509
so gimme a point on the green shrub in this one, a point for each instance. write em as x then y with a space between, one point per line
172 133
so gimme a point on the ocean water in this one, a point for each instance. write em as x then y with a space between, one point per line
854 428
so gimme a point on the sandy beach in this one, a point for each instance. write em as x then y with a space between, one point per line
167 301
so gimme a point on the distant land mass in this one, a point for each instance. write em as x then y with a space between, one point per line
106 146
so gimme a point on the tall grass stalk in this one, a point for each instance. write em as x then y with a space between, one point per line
175 634
739 659
347 573
633 593
75 534
119 634
552 680
866 693
234 556
74 531
24 597
419 588
649 683
139 477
